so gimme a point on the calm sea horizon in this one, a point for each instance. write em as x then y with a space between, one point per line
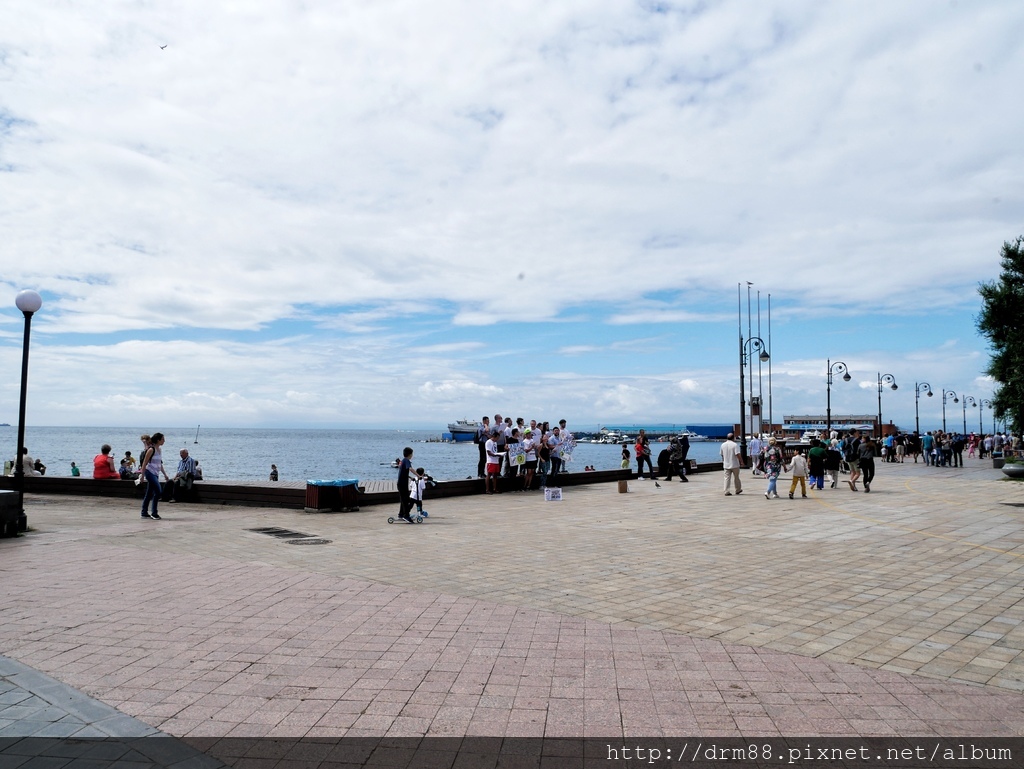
245 454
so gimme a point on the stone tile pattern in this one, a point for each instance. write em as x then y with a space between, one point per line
509 616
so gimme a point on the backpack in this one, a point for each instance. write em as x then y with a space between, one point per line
850 449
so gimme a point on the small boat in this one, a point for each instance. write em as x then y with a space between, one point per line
694 437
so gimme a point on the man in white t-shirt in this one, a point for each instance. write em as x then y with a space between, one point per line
495 455
553 443
731 464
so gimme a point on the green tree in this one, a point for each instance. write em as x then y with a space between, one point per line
999 321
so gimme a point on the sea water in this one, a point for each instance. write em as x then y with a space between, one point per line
228 454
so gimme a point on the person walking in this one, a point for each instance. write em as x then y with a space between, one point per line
866 454
151 467
799 468
731 464
816 457
851 452
684 447
756 447
404 498
643 454
771 464
673 465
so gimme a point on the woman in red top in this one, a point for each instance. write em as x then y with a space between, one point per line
103 464
643 454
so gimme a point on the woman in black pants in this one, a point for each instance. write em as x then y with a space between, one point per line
643 454
866 453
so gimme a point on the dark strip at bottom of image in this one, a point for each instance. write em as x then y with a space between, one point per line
510 752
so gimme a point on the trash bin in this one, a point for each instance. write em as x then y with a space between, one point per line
12 520
339 495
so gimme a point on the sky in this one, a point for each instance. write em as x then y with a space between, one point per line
397 214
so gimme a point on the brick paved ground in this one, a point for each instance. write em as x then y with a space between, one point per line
668 610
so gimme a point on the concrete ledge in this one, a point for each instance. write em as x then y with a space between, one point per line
291 497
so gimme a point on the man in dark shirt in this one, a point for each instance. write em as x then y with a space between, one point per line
404 500
816 462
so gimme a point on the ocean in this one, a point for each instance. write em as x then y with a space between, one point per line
232 454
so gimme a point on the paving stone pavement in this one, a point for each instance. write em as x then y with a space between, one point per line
38 715
669 610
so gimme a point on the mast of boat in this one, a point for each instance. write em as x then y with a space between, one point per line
197 434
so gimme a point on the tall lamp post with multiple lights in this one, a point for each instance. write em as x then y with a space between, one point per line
981 413
28 302
883 379
833 368
756 344
918 387
964 401
945 395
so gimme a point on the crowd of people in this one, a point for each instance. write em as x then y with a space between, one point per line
854 454
516 456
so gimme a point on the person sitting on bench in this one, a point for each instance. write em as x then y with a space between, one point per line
181 488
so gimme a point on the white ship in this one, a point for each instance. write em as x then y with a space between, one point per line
462 430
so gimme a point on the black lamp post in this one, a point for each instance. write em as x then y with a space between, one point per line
981 412
28 302
918 386
946 394
964 401
883 379
756 344
833 368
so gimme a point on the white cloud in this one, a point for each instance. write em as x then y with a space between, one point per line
266 201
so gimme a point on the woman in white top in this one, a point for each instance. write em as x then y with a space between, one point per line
530 446
151 468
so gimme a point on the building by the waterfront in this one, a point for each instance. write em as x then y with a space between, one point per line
796 425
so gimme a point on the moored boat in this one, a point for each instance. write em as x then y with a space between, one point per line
463 430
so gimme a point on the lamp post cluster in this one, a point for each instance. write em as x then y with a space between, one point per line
883 379
918 387
888 380
833 368
755 344
981 409
964 401
945 396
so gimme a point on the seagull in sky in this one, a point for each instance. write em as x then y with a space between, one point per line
163 46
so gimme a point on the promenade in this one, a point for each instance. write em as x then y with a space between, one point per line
667 611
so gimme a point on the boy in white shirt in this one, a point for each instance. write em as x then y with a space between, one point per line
495 456
417 486
799 467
